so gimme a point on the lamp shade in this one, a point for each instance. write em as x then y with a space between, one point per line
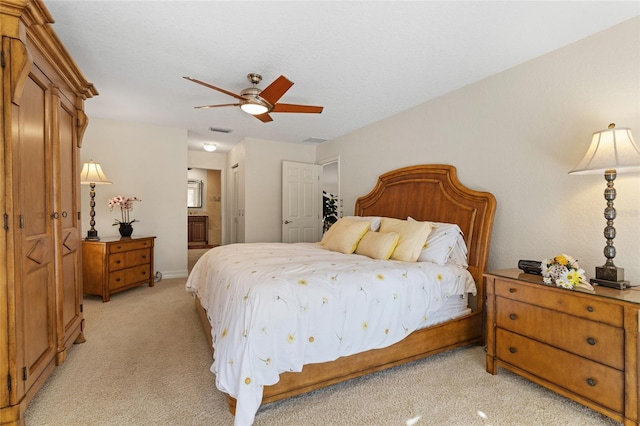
92 173
613 148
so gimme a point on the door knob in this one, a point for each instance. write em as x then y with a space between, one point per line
286 222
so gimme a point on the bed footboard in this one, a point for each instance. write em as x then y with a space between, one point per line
420 344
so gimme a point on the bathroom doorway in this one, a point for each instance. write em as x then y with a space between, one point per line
204 220
331 201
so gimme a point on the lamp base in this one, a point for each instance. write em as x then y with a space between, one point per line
92 235
620 285
609 273
610 276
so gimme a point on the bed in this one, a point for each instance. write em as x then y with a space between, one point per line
423 193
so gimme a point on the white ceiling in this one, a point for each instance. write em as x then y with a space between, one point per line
361 60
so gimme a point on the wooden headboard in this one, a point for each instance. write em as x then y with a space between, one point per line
432 192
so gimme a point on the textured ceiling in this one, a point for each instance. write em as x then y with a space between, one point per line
361 60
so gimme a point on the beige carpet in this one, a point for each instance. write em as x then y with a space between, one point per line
146 362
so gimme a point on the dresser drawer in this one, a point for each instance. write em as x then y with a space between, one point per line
130 245
129 258
599 383
129 276
600 342
567 301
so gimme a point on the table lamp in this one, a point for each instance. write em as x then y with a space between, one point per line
92 175
611 151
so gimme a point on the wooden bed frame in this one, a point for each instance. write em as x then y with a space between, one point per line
424 192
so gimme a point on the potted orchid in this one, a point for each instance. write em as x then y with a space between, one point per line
126 205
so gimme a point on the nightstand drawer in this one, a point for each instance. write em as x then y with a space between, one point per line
562 300
130 245
583 337
599 383
129 276
129 258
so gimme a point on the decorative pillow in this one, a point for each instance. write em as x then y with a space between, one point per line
344 235
378 245
412 237
375 221
445 244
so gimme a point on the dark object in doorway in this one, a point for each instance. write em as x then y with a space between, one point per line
201 246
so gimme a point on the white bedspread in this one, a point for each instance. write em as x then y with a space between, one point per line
274 307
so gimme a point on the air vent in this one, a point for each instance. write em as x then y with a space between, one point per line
220 130
314 140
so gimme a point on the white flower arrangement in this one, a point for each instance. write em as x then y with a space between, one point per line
126 205
564 271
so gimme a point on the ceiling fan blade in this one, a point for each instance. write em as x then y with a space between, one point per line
309 109
216 106
265 118
226 92
275 90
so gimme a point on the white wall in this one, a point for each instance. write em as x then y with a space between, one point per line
517 134
263 185
149 162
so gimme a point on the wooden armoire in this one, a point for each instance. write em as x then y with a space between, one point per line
41 108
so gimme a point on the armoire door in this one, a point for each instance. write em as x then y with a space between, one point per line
68 242
32 157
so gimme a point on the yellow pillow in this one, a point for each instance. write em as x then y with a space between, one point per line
378 245
344 235
412 237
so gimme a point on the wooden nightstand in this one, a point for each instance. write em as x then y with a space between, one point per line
581 344
116 264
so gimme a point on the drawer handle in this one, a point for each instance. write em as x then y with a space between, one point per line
117 261
144 257
591 341
118 247
590 308
512 290
144 272
591 382
117 280
512 350
513 316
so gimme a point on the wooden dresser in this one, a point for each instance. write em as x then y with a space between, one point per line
116 264
581 344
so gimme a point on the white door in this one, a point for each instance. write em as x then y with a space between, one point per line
234 203
301 197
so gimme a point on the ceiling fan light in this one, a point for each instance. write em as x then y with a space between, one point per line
254 109
210 147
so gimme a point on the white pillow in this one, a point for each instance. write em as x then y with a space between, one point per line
378 245
458 255
344 235
375 221
445 244
412 237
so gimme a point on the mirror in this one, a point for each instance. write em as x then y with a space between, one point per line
194 193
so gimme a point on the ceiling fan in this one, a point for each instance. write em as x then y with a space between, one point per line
260 102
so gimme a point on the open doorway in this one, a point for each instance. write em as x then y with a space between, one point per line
331 201
204 217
